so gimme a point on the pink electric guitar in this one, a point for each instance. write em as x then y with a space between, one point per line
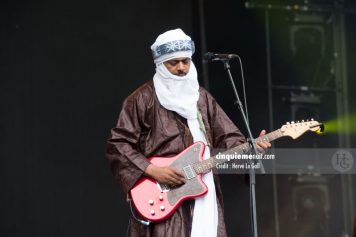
156 202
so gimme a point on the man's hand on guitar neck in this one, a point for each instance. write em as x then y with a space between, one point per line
263 145
165 175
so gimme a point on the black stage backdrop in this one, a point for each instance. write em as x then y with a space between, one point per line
65 68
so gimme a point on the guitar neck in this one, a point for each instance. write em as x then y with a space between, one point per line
208 164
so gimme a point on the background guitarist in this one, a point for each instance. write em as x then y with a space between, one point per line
162 118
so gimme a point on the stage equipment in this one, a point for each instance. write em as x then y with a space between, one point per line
312 60
304 105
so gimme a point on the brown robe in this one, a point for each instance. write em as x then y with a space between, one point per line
146 129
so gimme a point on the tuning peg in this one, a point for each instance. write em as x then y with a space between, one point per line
302 121
298 121
288 123
292 122
312 119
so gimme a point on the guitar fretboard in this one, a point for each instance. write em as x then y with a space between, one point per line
208 164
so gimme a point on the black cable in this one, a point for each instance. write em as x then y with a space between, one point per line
243 88
143 222
128 227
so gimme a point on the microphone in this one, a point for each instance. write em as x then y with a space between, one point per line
218 57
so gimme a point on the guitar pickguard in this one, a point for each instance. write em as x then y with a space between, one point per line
193 186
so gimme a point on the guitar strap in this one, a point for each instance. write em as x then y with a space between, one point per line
202 127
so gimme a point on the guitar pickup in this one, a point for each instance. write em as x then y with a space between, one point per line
189 172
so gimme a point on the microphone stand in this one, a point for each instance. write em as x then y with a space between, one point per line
252 142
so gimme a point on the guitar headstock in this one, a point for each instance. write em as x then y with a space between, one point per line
296 129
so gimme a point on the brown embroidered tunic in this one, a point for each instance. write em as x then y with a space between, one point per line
146 129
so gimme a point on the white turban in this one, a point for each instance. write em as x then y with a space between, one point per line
172 44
